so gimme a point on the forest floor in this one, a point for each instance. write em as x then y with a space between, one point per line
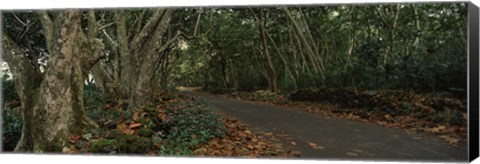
176 125
329 137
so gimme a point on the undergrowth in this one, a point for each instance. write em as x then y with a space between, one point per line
173 126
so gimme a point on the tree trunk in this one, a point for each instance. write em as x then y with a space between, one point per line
146 71
127 61
27 81
53 101
53 110
271 74
309 46
131 75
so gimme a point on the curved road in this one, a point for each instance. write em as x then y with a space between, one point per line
339 138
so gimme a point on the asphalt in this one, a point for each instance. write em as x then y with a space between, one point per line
339 139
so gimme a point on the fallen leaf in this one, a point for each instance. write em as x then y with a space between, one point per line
352 154
70 152
382 122
134 125
282 135
200 151
462 130
162 117
123 128
242 134
254 139
109 106
450 139
293 143
437 129
135 116
315 146
387 116
74 138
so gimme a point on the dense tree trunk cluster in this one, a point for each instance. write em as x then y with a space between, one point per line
52 100
52 96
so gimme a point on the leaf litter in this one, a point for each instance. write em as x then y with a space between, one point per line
134 128
242 142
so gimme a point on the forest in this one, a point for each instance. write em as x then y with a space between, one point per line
143 81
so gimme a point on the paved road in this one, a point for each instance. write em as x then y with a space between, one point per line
341 139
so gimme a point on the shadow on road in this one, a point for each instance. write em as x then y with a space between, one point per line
337 138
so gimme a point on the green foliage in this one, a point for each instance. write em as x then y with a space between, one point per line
12 118
188 124
10 96
194 118
92 97
103 146
359 47
12 128
174 126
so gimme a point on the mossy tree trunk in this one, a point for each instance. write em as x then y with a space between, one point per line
27 80
53 100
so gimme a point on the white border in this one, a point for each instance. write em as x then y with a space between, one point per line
86 159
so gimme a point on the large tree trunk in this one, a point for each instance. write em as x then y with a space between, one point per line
147 62
54 108
53 100
27 81
127 61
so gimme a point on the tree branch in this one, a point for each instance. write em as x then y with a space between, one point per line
147 30
48 29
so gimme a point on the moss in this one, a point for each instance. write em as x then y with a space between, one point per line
57 144
113 134
123 141
103 146
150 110
145 132
144 120
139 145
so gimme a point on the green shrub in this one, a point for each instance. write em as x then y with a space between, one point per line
186 123
10 96
189 123
195 118
92 97
103 146
12 128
